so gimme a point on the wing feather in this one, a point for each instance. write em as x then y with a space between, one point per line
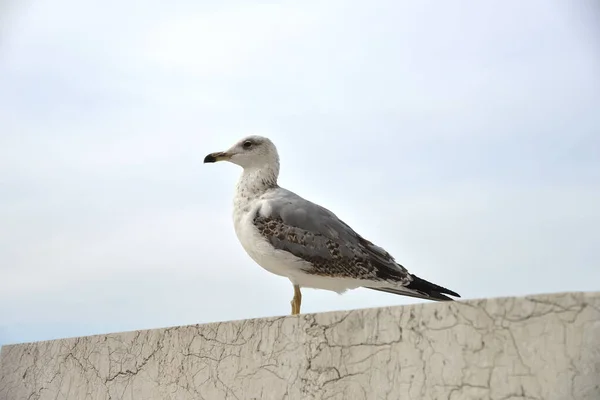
315 234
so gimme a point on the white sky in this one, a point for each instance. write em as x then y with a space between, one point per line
463 137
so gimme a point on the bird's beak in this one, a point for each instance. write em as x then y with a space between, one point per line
218 156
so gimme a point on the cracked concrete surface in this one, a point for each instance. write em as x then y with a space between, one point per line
543 347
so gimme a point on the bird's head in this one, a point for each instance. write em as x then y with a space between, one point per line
250 152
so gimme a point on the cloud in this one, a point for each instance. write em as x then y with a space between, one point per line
224 42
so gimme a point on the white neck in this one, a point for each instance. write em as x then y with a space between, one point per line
255 181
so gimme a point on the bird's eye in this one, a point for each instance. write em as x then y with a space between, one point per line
247 144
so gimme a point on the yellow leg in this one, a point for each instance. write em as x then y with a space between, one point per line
296 301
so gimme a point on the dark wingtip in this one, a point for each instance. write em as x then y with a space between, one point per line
431 289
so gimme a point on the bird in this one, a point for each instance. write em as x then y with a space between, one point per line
292 237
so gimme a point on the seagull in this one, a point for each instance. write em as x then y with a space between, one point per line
292 237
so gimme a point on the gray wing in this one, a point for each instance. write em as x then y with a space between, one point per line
315 234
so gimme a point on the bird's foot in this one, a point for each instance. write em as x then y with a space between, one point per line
296 301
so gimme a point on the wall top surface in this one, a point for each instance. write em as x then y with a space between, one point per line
536 347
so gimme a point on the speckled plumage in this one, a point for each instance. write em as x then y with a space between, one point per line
330 257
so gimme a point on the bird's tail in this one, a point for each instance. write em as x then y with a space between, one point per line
421 289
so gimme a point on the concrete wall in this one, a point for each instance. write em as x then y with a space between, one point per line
541 347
